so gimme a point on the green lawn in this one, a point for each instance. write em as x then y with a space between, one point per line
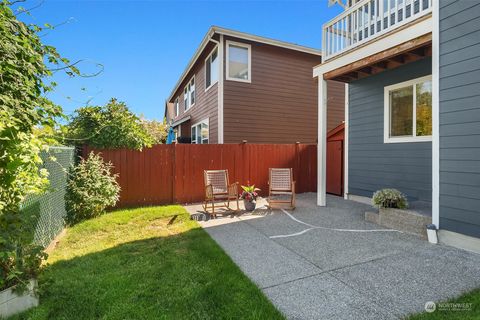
472 298
145 264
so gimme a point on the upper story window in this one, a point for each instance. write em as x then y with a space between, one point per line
185 98
189 94
239 61
211 69
408 111
200 132
177 107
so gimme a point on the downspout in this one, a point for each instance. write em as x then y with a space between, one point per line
436 114
345 146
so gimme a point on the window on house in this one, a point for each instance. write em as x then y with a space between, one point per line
177 108
211 69
192 91
200 132
408 111
175 134
238 61
189 94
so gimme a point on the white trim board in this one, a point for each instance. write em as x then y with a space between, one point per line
436 114
220 116
345 145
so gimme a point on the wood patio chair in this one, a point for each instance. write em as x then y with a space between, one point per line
218 192
281 184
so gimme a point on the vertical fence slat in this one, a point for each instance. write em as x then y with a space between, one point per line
167 174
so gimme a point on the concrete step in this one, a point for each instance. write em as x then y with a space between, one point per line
407 221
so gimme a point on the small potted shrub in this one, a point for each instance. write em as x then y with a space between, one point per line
249 196
389 198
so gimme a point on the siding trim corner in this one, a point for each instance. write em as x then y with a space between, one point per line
220 117
436 114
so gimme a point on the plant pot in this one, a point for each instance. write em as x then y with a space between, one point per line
249 205
12 303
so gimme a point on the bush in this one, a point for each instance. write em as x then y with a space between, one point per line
91 189
26 66
110 126
389 198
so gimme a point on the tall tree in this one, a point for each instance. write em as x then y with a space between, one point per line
156 129
109 126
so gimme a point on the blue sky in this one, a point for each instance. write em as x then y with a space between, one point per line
145 45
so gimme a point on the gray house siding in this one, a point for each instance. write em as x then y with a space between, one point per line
373 164
460 116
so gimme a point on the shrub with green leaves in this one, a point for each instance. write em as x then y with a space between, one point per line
110 126
389 198
91 189
26 64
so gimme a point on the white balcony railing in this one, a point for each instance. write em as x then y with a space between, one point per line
368 19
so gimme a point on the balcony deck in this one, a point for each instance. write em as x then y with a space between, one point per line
367 20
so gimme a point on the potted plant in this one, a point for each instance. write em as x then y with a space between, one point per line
249 196
389 198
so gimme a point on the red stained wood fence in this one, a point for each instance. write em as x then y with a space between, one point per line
166 174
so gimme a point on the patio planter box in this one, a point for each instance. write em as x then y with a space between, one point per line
12 303
404 220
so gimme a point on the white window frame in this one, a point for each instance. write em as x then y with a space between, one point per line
243 45
177 107
386 113
204 121
194 92
187 101
207 60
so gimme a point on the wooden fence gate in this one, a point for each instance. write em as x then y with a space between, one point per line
166 174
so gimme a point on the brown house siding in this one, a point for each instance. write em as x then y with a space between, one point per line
206 104
280 104
335 104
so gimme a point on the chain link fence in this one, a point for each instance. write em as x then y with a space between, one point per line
49 207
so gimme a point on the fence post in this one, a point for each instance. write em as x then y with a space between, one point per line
296 169
174 172
246 163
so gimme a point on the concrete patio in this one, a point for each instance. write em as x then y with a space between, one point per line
320 263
